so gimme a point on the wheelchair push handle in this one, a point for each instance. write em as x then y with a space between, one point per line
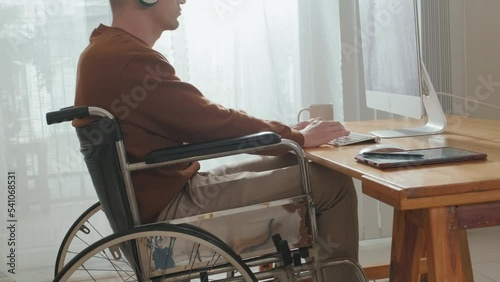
67 114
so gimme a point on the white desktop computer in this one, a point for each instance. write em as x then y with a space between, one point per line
393 68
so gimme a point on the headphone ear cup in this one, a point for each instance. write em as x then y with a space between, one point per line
147 3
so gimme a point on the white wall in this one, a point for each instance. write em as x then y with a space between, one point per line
475 39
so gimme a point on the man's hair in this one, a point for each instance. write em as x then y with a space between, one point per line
116 3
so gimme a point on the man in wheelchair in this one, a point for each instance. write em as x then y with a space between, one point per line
120 72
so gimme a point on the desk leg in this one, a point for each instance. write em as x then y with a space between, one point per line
406 250
466 261
447 249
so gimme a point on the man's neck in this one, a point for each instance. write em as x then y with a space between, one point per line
142 29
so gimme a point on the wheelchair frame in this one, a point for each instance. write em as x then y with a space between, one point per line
286 259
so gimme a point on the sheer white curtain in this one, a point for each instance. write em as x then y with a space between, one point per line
243 54
260 56
40 42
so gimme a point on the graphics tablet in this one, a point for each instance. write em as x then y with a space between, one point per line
419 157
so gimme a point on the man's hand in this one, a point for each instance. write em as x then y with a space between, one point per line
302 124
317 132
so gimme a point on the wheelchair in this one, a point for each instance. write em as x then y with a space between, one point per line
108 242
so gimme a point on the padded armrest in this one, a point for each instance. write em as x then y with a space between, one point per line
226 145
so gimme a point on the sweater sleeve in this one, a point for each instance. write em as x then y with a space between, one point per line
154 98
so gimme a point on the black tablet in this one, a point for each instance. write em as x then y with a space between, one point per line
419 157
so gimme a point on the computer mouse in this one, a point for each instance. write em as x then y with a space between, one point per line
381 148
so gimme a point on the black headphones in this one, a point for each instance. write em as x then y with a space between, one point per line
147 3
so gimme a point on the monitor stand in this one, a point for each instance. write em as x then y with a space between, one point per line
436 120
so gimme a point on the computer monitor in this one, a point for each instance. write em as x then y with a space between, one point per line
393 68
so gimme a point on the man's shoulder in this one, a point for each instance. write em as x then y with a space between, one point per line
113 44
114 55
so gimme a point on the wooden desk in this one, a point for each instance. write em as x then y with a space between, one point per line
433 204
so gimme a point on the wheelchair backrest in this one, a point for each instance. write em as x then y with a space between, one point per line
98 145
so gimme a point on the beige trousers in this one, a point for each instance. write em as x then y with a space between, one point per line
273 178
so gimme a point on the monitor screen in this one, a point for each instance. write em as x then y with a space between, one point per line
391 56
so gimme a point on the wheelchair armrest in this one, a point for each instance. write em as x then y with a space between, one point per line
214 147
67 114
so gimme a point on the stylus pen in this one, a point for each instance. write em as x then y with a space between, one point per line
393 154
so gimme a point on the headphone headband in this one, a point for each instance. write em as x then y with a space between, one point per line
147 3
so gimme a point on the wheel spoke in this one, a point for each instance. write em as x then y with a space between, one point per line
176 253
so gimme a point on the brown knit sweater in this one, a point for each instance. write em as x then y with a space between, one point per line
122 74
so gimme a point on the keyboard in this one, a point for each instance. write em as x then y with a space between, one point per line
354 138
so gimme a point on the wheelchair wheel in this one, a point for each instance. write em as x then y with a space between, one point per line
157 252
91 226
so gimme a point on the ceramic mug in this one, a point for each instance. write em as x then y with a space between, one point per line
324 111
